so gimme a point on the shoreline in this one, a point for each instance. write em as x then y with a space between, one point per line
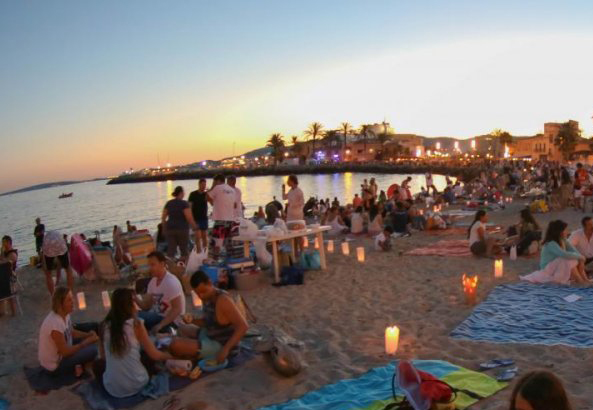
463 173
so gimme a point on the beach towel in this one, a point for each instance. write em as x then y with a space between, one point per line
461 230
41 380
453 247
533 314
372 390
97 398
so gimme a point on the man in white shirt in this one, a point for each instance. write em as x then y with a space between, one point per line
582 239
164 302
232 181
223 198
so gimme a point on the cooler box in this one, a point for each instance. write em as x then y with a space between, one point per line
215 273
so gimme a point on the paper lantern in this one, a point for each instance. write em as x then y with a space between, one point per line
330 246
316 242
391 339
196 300
470 288
81 300
498 268
106 299
345 248
360 254
421 212
305 242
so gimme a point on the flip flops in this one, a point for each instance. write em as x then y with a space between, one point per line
507 374
494 363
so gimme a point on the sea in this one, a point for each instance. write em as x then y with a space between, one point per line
97 207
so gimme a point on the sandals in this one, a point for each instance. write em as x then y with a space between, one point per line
494 363
507 374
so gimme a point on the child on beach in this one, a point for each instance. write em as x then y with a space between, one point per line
383 240
539 390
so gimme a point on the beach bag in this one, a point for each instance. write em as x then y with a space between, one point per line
292 275
264 258
195 260
247 228
310 260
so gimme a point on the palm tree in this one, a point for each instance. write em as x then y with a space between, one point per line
276 142
364 132
502 138
314 132
346 128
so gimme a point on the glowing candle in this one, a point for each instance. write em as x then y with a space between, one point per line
486 203
345 248
360 254
106 299
330 246
391 339
421 212
470 287
81 300
316 243
305 242
196 300
498 268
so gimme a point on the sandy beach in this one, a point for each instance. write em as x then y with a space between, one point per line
340 314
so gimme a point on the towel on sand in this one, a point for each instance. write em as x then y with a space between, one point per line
372 390
453 247
533 314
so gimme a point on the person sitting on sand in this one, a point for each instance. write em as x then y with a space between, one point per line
539 390
164 302
400 220
123 337
525 232
375 219
479 243
559 262
357 201
582 239
383 240
222 322
335 221
357 221
57 352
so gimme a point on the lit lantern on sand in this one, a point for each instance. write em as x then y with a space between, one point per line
345 248
316 243
498 268
330 246
305 242
391 339
106 299
81 300
360 254
470 288
421 212
196 300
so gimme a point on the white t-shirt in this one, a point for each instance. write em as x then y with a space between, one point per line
379 239
473 233
163 293
224 198
296 202
239 208
356 223
47 352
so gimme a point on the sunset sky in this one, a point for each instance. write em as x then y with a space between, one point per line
88 89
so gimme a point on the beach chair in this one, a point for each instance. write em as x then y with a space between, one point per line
7 290
139 245
104 264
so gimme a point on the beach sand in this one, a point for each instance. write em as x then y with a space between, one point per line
340 314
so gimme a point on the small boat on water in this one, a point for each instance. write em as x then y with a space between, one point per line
66 195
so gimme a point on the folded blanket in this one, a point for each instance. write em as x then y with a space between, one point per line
372 390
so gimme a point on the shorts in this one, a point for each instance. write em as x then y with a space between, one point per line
202 224
478 248
64 261
224 229
38 244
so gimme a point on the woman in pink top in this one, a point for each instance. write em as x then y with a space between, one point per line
295 198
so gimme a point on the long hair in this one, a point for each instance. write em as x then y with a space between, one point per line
542 390
478 216
527 216
122 309
554 231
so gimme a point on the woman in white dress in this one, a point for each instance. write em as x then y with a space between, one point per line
559 262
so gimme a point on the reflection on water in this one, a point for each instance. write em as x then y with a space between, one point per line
97 206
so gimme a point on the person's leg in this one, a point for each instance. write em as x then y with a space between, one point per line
183 240
188 331
150 318
171 243
184 348
204 237
64 263
68 364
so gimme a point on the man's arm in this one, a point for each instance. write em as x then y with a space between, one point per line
237 321
144 302
173 314
64 350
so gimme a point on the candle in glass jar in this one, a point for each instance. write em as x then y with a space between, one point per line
330 246
345 248
360 254
106 299
81 300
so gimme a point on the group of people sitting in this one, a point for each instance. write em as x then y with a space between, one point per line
124 341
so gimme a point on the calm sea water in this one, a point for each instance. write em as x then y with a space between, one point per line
96 206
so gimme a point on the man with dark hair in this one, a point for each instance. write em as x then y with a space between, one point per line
582 239
39 232
198 202
164 302
224 200
232 182
222 324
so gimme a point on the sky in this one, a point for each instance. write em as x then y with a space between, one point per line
89 89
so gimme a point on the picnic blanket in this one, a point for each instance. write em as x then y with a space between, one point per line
461 230
41 380
97 398
372 390
534 314
452 247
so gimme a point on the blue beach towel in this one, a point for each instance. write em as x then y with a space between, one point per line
533 314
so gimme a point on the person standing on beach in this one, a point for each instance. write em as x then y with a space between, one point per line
176 219
198 201
223 199
295 198
39 232
232 182
55 249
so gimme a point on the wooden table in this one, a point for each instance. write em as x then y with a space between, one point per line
290 236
